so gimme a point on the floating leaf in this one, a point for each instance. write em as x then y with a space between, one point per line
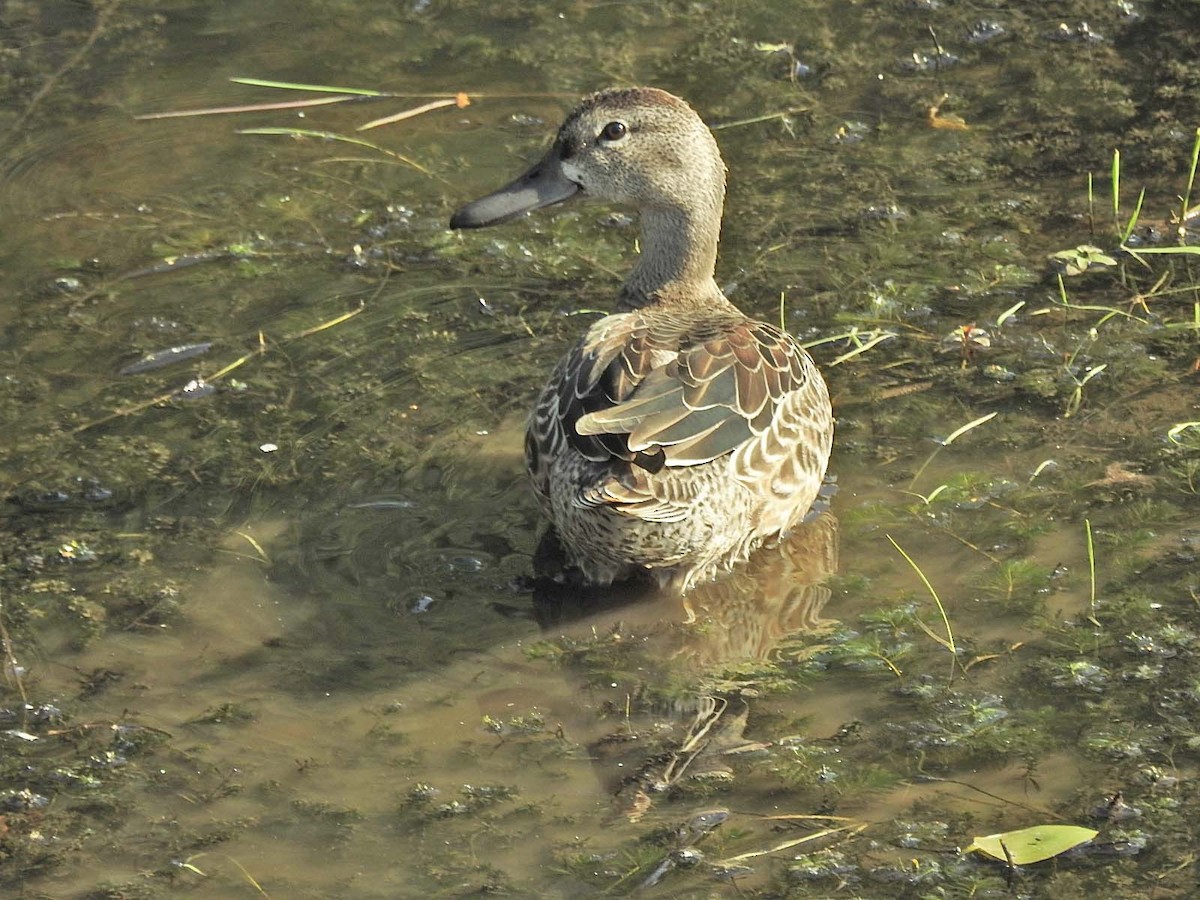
1032 845
1079 259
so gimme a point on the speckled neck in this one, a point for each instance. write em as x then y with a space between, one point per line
679 255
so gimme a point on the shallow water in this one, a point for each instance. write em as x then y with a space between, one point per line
268 618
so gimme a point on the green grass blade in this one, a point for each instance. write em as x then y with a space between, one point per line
1041 467
1191 182
1179 428
1009 313
854 335
1133 219
959 432
295 86
1091 551
1191 249
948 640
879 338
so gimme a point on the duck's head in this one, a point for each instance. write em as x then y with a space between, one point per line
640 146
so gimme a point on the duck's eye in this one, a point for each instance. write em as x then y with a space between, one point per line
614 131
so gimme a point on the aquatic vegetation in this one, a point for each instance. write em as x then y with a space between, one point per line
1016 581
228 713
529 723
948 640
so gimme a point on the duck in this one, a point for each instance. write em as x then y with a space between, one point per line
677 435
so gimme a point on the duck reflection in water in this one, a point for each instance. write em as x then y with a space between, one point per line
747 616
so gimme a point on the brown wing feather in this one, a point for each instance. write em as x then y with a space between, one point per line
647 389
720 390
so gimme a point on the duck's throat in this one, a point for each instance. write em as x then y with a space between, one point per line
679 255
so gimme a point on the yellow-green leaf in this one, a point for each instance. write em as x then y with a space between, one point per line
1031 845
1079 259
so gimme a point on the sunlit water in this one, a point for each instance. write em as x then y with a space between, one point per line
280 596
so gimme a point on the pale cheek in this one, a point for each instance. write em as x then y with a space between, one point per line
573 172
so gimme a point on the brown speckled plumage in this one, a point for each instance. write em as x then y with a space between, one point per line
677 435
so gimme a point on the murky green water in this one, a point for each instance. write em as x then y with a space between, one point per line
268 620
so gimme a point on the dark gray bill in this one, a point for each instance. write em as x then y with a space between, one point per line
542 185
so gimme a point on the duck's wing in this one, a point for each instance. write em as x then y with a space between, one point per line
657 394
716 392
603 368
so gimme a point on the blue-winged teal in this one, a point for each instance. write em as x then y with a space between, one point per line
678 434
